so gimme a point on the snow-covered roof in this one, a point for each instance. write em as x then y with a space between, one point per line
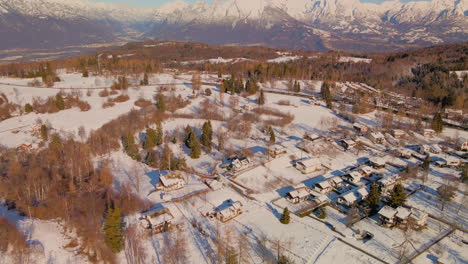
349 142
277 147
362 192
367 170
402 213
398 132
387 212
171 179
377 135
359 126
310 162
324 184
336 179
349 197
428 130
377 160
299 193
355 175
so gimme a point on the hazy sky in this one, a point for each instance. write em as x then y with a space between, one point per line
155 3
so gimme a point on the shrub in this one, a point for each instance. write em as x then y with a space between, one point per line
142 102
321 212
107 104
104 93
28 108
121 98
84 106
208 92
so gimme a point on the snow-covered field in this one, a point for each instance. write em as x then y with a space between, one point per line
305 240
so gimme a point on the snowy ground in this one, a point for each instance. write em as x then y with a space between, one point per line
306 240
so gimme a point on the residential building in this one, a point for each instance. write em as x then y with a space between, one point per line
309 165
230 212
377 137
171 182
277 150
398 133
298 195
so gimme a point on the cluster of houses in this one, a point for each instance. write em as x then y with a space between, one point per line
390 216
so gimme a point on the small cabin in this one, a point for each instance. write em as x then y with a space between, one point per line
353 177
363 193
360 128
377 162
418 218
404 153
239 164
311 136
366 171
347 143
171 182
397 133
230 212
214 184
298 195
387 215
309 165
377 137
387 183
429 133
402 215
158 219
323 187
336 181
277 150
348 199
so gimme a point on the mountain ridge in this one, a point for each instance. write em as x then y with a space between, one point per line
297 24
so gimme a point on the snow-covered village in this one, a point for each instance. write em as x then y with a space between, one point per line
233 131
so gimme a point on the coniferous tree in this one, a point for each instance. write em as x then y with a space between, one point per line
150 140
374 198
285 217
145 80
59 103
285 260
207 135
196 148
437 123
44 132
426 163
85 73
152 158
113 229
161 102
28 108
326 94
131 147
189 137
397 196
272 135
321 212
261 98
159 134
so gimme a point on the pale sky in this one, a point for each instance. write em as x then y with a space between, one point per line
156 3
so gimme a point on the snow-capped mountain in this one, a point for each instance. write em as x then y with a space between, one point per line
309 24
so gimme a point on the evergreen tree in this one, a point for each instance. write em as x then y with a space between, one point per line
437 123
285 217
426 163
196 148
374 198
179 164
326 94
161 102
231 257
131 147
28 108
251 86
397 196
285 260
446 193
44 132
85 73
145 80
152 158
296 87
321 212
159 134
150 140
464 175
189 137
207 135
272 135
59 103
261 98
113 229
